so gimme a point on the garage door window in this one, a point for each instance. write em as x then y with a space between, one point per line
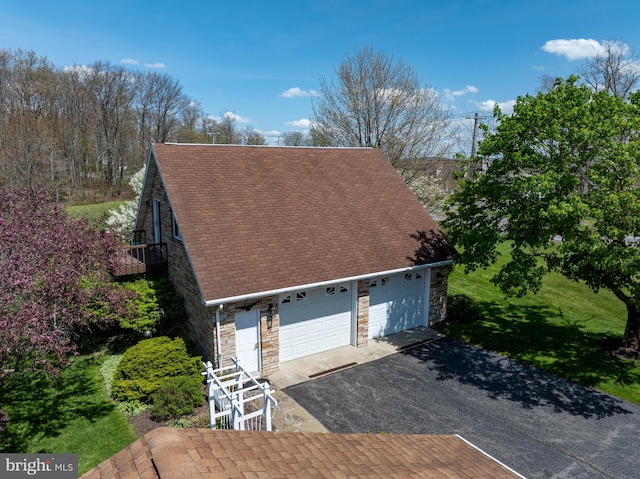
334 290
297 297
379 281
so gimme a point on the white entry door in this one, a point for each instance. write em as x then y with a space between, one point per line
248 340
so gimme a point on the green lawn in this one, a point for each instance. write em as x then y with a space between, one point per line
70 415
559 329
94 211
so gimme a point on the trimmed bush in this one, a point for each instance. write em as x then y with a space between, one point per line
462 309
145 367
176 397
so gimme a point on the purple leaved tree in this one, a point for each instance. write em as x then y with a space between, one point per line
54 281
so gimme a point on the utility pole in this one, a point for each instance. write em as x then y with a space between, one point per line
474 137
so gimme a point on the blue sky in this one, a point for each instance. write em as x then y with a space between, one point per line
262 60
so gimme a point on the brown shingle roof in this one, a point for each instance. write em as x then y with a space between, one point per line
258 219
168 453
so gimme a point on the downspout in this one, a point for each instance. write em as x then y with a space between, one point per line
218 309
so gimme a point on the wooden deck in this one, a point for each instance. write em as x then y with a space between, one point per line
142 258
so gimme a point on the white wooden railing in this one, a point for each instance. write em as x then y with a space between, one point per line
237 400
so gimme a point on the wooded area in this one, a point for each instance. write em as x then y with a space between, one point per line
82 130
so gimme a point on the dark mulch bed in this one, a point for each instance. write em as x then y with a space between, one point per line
143 423
614 347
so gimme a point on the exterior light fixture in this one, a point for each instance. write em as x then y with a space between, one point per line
270 317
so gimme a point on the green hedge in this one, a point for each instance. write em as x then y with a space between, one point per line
148 365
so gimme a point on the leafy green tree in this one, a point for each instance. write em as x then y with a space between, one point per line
563 190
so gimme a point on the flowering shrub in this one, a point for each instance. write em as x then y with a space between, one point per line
55 283
123 218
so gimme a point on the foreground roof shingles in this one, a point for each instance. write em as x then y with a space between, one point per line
260 219
168 453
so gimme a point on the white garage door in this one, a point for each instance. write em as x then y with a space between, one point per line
315 320
396 303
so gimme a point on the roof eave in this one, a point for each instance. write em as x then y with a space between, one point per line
273 292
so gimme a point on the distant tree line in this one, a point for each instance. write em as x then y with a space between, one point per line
83 130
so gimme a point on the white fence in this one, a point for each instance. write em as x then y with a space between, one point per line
237 400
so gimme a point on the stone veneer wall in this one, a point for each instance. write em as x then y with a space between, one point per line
199 325
438 294
362 335
269 336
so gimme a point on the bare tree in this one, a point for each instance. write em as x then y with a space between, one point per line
547 83
27 117
113 89
616 70
226 132
252 137
160 106
193 128
75 129
378 102
296 138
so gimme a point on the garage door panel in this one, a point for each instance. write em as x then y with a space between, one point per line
396 304
320 322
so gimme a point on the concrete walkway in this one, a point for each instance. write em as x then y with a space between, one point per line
290 416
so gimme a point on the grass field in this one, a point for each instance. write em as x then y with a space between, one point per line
72 415
559 329
93 212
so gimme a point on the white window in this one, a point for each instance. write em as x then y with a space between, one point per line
177 234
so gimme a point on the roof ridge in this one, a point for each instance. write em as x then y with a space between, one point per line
231 145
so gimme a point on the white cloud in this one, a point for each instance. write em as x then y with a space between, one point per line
296 92
130 61
302 123
575 48
83 71
269 133
155 65
234 117
489 105
452 94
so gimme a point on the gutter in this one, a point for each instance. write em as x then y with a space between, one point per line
219 340
273 292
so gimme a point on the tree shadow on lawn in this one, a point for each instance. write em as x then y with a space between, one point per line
525 333
40 406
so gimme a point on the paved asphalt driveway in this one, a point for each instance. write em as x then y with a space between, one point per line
537 424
